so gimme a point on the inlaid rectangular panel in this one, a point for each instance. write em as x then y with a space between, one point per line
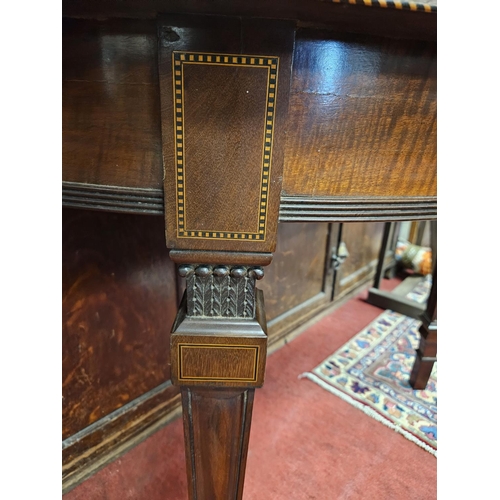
216 358
224 86
218 362
219 352
240 91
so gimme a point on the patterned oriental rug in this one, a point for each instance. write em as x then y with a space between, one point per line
372 370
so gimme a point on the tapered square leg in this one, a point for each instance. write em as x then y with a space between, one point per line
216 432
218 356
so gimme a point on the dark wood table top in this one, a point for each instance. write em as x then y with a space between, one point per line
360 140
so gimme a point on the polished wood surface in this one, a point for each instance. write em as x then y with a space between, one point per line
297 286
360 134
362 117
111 104
374 18
218 359
215 257
223 129
217 431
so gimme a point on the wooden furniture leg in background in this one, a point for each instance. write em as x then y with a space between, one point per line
396 300
383 249
427 350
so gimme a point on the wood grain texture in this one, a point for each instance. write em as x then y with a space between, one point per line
218 363
119 301
362 117
113 290
226 100
297 272
425 356
341 18
292 209
363 243
298 284
217 431
211 352
198 362
223 132
294 277
111 108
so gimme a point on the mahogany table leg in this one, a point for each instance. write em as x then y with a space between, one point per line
218 352
224 88
427 350
216 432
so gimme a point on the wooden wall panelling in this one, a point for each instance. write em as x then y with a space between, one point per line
298 283
297 286
363 241
297 272
356 209
110 79
119 301
102 442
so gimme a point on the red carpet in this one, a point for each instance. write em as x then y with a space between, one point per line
305 443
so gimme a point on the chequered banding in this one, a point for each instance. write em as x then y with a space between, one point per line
179 59
429 6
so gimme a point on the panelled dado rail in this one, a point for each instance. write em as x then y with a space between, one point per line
292 208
